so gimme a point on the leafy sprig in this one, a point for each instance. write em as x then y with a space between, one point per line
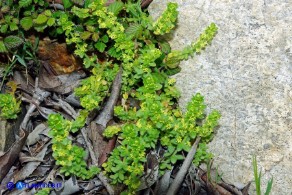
9 105
96 87
167 21
69 156
175 57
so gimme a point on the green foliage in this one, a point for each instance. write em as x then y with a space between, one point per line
43 191
202 155
67 4
8 23
107 39
116 7
23 52
79 122
166 22
69 156
257 177
173 58
25 3
27 14
41 19
156 121
96 87
111 131
9 106
2 47
100 45
26 23
12 42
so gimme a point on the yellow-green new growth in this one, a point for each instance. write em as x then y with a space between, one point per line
166 22
69 156
175 57
9 106
110 131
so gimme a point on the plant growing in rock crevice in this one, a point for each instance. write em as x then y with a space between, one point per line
257 178
152 123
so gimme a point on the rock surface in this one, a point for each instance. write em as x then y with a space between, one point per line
246 74
2 134
5 135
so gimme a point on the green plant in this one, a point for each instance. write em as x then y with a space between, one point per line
173 58
257 178
121 36
10 43
19 51
43 191
8 69
95 88
9 105
69 156
152 123
166 22
217 177
27 54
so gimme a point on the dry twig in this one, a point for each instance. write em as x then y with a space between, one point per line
107 113
174 187
38 96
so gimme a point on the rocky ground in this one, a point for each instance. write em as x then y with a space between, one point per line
247 75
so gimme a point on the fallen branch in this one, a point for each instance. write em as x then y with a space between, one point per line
38 96
174 187
106 184
57 6
212 187
7 160
107 113
102 119
64 105
89 147
145 3
230 188
101 177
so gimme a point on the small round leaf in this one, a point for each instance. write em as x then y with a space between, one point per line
26 23
41 19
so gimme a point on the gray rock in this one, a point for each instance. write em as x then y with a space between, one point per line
246 74
4 133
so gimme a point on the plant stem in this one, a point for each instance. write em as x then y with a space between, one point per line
256 176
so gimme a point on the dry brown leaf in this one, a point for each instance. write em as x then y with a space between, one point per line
8 159
34 136
59 59
24 81
62 84
29 168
